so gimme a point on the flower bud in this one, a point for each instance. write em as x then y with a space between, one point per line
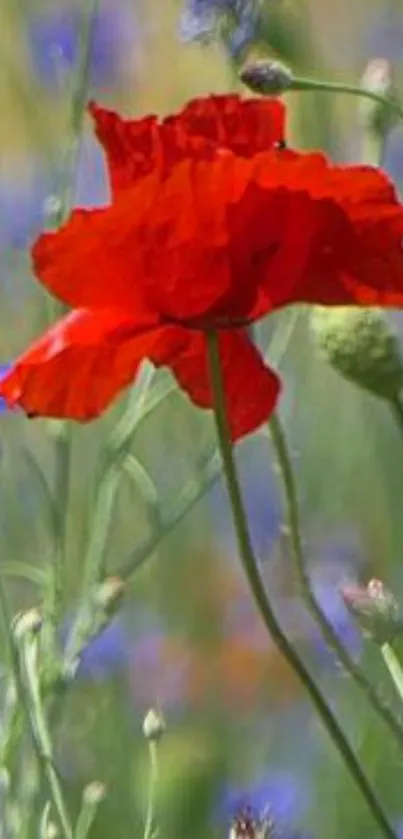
374 116
271 78
360 344
25 623
108 596
94 793
154 725
51 831
376 610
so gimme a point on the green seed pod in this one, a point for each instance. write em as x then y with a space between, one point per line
360 344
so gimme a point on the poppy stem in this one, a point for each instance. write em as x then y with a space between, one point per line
263 603
294 535
304 84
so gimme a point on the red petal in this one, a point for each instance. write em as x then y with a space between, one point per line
135 148
91 262
251 388
81 364
346 246
244 126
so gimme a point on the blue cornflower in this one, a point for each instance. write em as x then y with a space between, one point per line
202 20
53 42
278 794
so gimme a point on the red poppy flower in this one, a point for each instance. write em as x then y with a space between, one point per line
212 225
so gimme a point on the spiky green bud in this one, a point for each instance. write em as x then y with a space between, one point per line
271 78
375 609
361 345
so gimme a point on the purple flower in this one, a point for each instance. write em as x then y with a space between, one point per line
54 36
106 655
202 20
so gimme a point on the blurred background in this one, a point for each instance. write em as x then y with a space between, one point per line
188 640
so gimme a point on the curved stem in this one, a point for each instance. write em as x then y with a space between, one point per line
294 532
258 591
303 84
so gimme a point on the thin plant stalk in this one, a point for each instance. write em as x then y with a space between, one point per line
29 674
64 205
305 84
149 828
263 603
396 405
297 554
394 667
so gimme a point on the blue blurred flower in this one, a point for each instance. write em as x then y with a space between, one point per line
22 206
25 198
385 35
3 404
261 498
54 35
278 793
393 155
202 20
338 565
159 669
106 655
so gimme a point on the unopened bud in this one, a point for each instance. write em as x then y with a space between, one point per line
51 831
27 623
378 117
108 596
271 78
376 610
360 344
154 725
94 793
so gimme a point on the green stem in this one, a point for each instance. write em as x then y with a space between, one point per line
274 629
150 813
297 554
304 84
396 405
395 670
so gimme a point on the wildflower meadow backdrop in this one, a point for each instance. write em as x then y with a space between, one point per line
201 419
